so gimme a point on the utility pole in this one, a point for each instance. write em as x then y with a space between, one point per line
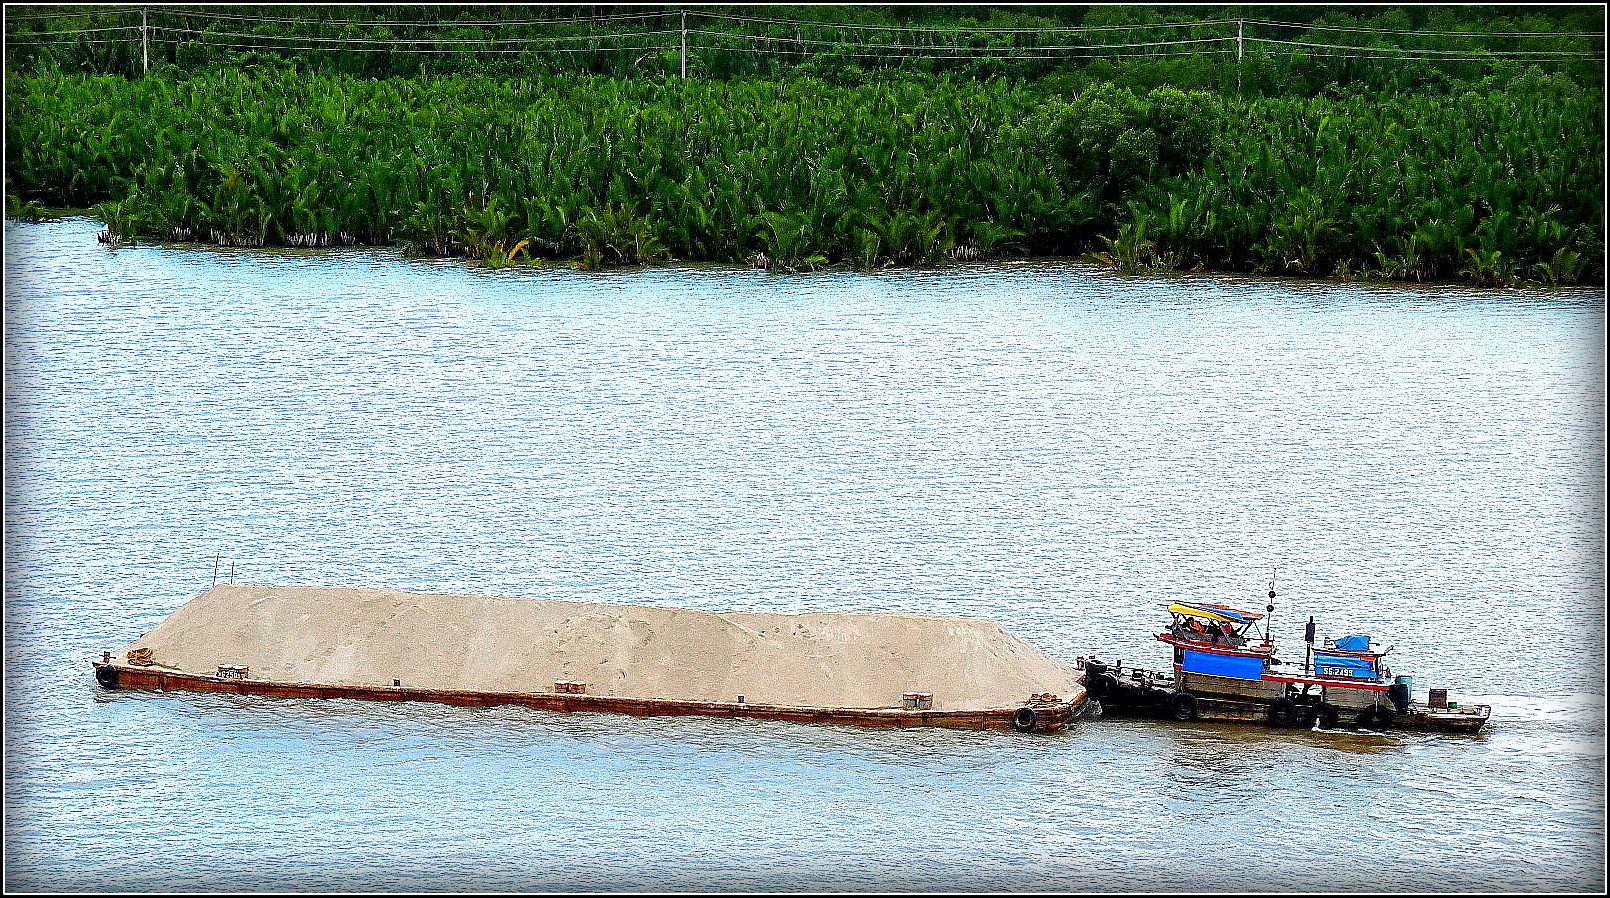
145 44
684 44
1240 24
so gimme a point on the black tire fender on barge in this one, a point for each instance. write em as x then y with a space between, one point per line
1283 713
1183 706
1024 720
106 675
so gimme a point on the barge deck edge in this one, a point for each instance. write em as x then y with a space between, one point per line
1043 716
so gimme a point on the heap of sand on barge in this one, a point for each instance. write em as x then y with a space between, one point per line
856 668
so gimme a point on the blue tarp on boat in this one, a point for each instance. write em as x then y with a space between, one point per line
1241 667
1354 643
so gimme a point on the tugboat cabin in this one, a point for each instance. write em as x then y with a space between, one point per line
1222 657
1352 675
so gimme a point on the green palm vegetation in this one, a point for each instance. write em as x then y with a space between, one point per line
1480 186
799 173
25 211
610 172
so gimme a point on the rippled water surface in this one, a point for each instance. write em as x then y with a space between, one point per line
1042 444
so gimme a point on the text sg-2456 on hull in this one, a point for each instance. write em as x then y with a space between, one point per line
1222 670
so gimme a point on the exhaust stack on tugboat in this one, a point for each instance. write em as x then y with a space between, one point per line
1225 668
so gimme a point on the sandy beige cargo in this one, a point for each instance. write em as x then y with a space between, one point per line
577 656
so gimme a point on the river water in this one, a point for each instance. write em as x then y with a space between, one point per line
1043 444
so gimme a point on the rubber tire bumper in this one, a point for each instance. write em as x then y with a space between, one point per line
1024 720
106 675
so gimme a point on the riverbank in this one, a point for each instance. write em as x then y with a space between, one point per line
525 263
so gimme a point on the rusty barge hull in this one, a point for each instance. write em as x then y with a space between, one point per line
1041 717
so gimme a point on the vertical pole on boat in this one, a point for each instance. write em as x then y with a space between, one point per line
215 559
1269 622
1308 637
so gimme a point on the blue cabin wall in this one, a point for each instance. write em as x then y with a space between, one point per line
1239 667
1326 664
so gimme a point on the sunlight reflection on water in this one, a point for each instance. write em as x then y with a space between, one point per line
1042 444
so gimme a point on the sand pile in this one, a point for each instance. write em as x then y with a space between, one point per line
824 660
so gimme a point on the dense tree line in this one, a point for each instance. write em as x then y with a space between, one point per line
800 173
1475 168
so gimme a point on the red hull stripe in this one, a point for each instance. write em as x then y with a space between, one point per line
1319 681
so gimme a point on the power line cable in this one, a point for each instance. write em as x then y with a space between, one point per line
392 42
969 57
111 11
970 29
793 40
81 31
1428 50
199 39
435 24
1317 27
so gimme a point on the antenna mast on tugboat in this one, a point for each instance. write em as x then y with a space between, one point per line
1269 622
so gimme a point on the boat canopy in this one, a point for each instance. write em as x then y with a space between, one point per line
1206 611
1357 643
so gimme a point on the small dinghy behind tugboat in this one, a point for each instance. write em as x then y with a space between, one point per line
1225 669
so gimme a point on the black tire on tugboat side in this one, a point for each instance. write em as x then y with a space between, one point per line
106 676
1108 684
1329 715
1282 712
1094 687
1024 720
1183 706
1159 703
1385 716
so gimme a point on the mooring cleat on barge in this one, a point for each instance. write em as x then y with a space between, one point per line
1225 669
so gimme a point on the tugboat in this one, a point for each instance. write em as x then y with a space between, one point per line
1225 669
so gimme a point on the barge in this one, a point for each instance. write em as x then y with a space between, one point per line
1225 668
890 670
